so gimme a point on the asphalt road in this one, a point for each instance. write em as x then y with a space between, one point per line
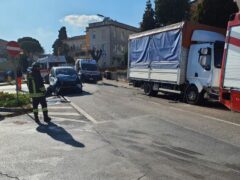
162 137
111 132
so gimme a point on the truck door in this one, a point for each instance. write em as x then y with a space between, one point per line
199 71
217 64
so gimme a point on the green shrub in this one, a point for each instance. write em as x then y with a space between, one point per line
10 100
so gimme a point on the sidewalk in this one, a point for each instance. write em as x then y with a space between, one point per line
117 83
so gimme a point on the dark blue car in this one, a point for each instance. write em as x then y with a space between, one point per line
64 78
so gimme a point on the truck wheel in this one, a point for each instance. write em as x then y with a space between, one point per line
193 96
148 90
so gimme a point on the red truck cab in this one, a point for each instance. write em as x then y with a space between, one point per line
230 75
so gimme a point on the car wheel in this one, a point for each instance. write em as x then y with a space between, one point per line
57 91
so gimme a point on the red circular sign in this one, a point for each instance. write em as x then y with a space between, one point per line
13 48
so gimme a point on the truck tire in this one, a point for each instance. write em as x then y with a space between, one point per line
148 89
192 95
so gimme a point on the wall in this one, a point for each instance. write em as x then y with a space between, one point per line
100 39
113 41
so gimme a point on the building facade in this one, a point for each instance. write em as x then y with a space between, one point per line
3 46
78 46
111 37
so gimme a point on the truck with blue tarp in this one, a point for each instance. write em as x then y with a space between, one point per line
182 58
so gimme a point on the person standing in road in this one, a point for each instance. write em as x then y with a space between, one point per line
19 78
37 92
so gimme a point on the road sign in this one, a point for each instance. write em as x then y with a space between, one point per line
13 48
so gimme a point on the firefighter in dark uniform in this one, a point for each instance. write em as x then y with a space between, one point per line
37 92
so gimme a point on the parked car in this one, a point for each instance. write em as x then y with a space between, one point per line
2 76
64 78
88 70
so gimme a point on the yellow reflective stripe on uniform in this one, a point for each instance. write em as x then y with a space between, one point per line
34 87
44 109
42 89
35 110
36 95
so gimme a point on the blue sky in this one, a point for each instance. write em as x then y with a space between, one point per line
41 19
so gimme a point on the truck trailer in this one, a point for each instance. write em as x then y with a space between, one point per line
182 58
230 77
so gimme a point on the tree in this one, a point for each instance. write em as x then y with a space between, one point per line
169 12
30 46
59 47
23 62
215 12
96 54
148 17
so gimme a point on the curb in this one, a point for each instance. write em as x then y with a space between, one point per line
115 84
15 111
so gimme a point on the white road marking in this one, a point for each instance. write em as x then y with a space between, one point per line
65 119
59 107
205 116
84 113
63 114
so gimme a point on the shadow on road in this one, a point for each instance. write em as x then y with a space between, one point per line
2 118
83 93
59 134
174 98
108 84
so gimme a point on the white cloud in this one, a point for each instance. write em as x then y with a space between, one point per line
81 21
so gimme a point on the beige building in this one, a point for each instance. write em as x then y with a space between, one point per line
112 38
79 46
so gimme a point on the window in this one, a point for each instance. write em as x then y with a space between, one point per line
218 54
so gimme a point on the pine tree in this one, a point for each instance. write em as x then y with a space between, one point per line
148 17
59 47
215 12
171 11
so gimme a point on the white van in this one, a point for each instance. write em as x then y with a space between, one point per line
88 70
48 62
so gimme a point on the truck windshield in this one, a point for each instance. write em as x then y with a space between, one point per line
218 54
89 67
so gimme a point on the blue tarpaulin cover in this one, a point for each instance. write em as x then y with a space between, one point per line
158 51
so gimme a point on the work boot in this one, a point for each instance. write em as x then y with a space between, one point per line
47 119
36 118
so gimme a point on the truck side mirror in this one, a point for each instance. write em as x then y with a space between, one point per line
205 51
205 62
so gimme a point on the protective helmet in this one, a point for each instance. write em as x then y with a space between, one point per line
35 66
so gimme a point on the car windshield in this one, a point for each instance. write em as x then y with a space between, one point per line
89 67
69 72
55 64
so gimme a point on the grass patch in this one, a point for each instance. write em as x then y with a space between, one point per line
10 100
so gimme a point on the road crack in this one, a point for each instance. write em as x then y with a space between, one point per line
141 177
8 176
